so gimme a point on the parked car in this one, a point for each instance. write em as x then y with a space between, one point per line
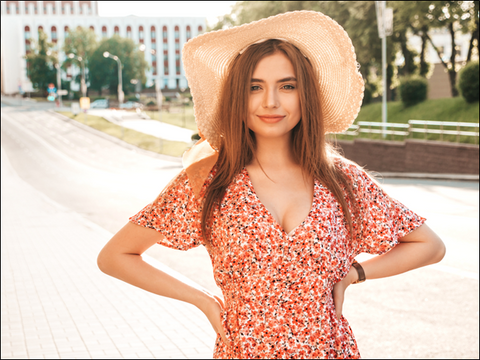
100 104
131 105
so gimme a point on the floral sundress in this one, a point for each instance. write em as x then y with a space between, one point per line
277 286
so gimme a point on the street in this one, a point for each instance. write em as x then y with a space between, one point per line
428 313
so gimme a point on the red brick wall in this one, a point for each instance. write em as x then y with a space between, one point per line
413 156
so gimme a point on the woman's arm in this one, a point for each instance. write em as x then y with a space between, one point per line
121 258
419 248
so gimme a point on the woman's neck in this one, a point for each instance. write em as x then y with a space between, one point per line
274 153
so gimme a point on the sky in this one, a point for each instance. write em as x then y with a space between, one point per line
209 9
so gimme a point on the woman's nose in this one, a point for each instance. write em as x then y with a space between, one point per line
270 100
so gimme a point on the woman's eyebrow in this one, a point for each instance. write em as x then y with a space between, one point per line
290 78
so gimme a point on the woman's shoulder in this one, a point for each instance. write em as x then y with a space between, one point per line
359 178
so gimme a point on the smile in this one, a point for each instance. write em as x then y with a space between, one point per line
271 118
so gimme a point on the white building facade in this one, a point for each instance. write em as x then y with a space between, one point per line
163 38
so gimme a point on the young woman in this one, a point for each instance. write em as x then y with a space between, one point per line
281 214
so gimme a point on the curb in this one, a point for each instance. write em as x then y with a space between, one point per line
115 140
425 176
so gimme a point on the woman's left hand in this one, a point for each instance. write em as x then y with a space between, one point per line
339 290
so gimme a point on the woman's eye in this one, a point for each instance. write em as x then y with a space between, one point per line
254 87
288 87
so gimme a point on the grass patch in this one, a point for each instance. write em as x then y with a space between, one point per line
449 109
176 117
141 140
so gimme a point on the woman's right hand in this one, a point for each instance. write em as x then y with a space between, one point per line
212 308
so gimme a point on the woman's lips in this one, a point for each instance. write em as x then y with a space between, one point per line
271 118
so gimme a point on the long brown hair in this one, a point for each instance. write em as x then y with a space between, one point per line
237 148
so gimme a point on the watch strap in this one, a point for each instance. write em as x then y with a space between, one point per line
360 272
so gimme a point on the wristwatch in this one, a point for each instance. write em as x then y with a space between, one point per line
361 273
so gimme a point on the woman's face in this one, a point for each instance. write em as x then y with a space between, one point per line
274 104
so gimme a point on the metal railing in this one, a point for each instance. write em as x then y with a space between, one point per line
407 130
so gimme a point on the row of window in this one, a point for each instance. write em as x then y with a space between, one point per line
116 31
64 9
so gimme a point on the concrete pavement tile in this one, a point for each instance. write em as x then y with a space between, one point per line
75 355
51 356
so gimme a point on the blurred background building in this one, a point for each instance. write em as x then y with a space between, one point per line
163 38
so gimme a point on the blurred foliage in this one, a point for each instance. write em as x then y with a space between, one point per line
413 90
41 62
81 42
468 82
104 71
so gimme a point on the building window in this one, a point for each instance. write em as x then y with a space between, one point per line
200 29
177 50
65 30
140 34
92 28
152 33
116 30
104 31
189 33
54 34
165 50
27 42
129 32
27 33
40 28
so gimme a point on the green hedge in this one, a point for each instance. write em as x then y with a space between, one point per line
468 82
413 90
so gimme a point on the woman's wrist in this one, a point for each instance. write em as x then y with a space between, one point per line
203 300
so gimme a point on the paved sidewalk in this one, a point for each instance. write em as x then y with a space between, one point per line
142 123
57 304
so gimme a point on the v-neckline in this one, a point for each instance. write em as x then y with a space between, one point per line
277 224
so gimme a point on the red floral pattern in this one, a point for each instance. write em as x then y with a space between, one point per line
278 287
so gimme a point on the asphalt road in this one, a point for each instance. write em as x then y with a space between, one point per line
428 313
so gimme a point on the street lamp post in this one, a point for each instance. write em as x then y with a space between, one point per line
385 28
106 54
59 85
83 83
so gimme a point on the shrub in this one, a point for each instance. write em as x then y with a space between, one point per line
413 90
367 95
151 103
468 82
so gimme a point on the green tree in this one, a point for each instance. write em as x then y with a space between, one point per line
473 28
455 16
104 71
81 42
41 62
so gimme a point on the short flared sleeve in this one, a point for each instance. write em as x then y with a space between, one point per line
175 214
382 219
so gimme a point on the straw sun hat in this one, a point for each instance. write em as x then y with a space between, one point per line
323 41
